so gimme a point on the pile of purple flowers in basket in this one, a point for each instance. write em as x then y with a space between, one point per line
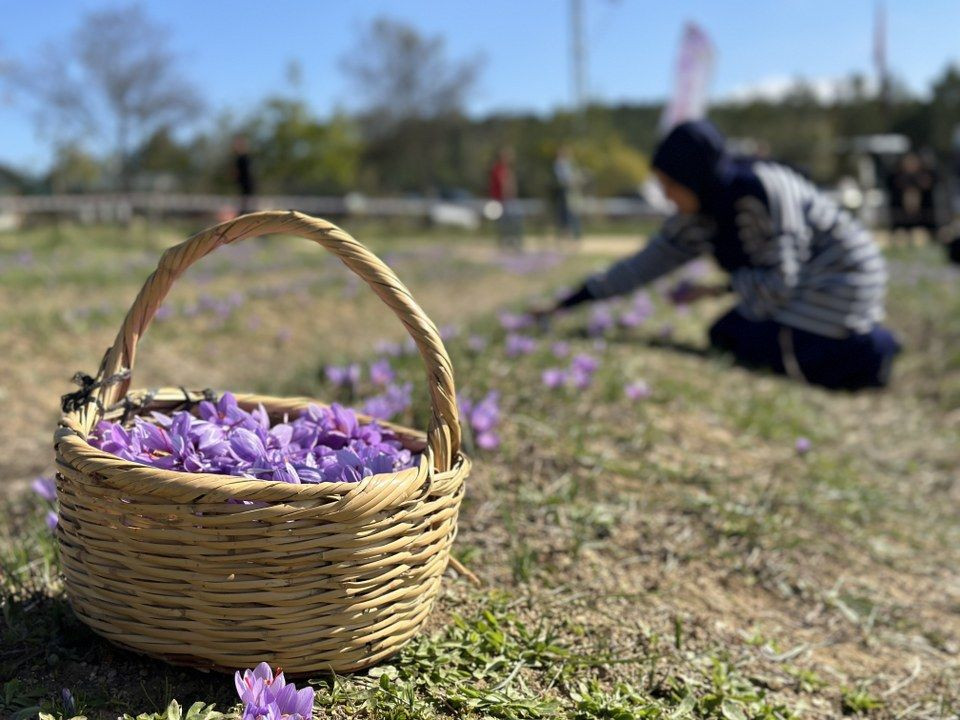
321 445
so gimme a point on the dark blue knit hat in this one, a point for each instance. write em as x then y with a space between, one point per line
691 154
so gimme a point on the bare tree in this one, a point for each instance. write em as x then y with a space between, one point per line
113 76
402 74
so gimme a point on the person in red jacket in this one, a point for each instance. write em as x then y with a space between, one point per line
503 189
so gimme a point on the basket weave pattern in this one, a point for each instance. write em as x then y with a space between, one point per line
313 577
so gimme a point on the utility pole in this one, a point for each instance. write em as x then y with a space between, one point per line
578 57
880 60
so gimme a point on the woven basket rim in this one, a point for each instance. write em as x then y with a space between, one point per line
148 480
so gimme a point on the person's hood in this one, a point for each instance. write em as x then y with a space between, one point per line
694 154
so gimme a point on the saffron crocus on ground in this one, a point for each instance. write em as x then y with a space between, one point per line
803 445
554 377
638 312
390 403
45 488
560 349
483 418
601 320
637 390
381 373
477 343
579 379
390 349
343 375
269 697
584 363
520 345
582 368
227 439
512 322
449 332
632 319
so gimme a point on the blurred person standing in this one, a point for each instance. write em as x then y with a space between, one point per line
567 184
502 185
912 189
809 281
243 172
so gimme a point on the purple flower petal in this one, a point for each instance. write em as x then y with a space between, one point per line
488 440
381 373
637 390
520 345
554 377
45 488
583 363
511 322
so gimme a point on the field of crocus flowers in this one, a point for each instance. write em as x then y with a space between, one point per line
655 532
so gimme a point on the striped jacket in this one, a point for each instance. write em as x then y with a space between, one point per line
793 255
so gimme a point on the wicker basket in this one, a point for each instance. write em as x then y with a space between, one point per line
319 577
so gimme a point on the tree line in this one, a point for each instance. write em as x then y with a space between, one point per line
114 83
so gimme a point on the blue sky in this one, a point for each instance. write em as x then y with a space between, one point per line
237 51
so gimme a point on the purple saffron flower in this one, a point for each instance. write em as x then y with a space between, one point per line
584 363
520 345
386 406
554 377
476 343
69 704
482 418
803 445
381 373
601 320
579 379
631 319
389 349
697 270
45 488
560 349
512 322
343 375
260 678
639 312
638 390
642 303
292 704
485 415
246 445
266 697
488 440
449 332
52 519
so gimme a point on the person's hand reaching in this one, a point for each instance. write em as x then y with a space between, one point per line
686 292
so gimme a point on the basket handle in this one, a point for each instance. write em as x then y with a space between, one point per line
443 433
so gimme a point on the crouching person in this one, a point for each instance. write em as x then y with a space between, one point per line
809 280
